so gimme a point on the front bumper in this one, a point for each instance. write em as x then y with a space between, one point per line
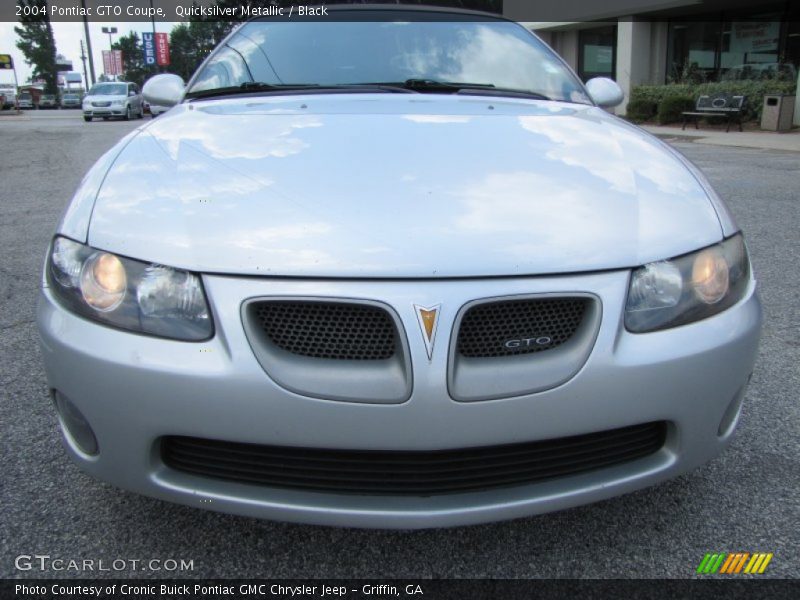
112 111
134 389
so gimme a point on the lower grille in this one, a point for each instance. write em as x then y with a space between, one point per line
410 473
511 327
331 330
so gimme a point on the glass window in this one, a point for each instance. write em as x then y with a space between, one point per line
495 53
597 49
109 89
737 46
693 51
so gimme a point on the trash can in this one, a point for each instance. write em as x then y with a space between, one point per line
777 112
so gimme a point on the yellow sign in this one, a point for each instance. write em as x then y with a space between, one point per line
6 62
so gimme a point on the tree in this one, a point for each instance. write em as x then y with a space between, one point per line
37 43
191 43
183 51
132 58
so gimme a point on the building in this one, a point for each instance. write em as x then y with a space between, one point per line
662 41
70 81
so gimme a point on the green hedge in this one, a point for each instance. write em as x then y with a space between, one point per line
754 90
641 110
671 109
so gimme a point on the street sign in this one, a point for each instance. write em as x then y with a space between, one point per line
162 49
149 47
112 62
6 61
117 60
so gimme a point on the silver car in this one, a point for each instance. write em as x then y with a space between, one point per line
410 275
113 99
48 101
71 100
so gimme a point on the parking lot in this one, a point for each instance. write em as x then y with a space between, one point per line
745 500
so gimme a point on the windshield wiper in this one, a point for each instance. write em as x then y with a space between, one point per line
456 87
251 87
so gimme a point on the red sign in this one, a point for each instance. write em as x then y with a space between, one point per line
117 59
112 62
162 49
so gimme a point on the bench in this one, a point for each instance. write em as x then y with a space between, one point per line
718 105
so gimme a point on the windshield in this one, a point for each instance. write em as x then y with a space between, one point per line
70 96
109 89
498 54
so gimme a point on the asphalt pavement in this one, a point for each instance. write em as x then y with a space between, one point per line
745 500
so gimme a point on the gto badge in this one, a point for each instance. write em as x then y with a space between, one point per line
428 319
542 340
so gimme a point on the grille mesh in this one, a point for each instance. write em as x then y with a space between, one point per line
410 473
330 330
486 328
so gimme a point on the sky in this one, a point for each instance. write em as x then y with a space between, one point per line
68 36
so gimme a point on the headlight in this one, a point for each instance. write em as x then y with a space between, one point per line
688 288
129 294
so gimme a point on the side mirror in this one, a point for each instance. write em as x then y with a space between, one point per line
164 90
605 92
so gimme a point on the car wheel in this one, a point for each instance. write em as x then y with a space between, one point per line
128 113
87 119
106 118
141 112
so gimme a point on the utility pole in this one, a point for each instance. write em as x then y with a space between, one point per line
83 58
88 43
156 68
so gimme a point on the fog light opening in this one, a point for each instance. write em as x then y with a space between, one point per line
731 416
75 425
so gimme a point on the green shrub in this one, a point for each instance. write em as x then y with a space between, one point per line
641 110
754 90
671 108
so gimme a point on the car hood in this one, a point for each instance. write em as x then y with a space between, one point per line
407 186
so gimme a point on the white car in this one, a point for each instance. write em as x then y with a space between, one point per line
71 100
411 274
113 99
9 91
25 100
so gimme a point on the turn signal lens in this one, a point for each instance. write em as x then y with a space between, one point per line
67 260
654 286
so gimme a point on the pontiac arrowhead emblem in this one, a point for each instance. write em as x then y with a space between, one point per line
428 318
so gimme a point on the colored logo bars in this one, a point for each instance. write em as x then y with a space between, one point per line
734 563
